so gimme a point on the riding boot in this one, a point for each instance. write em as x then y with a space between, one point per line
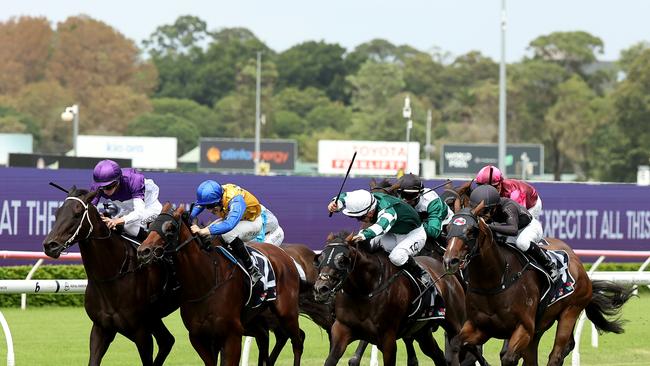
239 249
543 259
412 267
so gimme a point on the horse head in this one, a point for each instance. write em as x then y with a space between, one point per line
334 263
165 234
384 186
74 221
463 233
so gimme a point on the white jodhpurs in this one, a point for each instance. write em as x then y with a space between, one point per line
271 231
401 246
532 233
245 230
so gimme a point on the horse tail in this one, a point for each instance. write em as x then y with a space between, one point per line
607 300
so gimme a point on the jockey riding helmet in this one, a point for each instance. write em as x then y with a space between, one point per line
485 193
489 174
208 193
410 187
106 173
358 203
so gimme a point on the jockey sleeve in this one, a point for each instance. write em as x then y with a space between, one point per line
236 209
138 213
507 221
436 213
386 218
196 210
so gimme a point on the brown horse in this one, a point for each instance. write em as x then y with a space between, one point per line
214 290
375 299
120 297
503 294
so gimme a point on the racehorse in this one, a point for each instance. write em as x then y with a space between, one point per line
503 294
214 290
375 299
120 296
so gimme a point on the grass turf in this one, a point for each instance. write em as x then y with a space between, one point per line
59 336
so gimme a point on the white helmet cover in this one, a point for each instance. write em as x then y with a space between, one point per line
358 203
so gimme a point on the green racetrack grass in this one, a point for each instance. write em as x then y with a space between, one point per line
59 336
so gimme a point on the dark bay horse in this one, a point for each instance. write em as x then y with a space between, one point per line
504 293
374 301
214 291
120 297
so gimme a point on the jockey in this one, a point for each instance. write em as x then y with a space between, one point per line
394 225
241 219
509 218
433 211
135 197
517 190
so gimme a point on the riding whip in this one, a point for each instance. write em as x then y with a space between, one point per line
344 179
58 186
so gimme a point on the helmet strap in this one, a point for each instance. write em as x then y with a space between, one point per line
490 178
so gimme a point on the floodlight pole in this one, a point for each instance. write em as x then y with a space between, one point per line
258 98
502 92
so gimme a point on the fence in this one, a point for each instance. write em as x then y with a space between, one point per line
639 277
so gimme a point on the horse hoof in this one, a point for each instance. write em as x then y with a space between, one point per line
354 361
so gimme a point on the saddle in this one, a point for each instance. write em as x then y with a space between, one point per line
265 289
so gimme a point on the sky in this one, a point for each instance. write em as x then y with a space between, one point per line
454 26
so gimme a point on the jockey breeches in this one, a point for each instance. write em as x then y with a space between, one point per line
532 233
271 231
245 230
401 246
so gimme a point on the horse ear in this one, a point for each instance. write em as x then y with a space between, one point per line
457 205
449 185
348 238
179 211
373 183
393 188
330 237
478 208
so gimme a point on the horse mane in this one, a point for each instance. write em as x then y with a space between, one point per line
338 237
77 192
384 185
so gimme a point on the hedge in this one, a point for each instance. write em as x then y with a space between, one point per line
67 271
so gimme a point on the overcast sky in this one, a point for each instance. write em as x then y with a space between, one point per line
455 26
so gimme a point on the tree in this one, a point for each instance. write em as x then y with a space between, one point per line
314 64
203 118
26 43
374 84
569 125
166 125
425 77
629 55
572 50
299 101
187 32
88 54
110 109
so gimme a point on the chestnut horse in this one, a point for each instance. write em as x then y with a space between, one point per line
214 290
504 293
120 297
375 299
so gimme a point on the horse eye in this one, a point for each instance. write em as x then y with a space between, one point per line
341 261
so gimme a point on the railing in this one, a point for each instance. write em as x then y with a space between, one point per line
639 277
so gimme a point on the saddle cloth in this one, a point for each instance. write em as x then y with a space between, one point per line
265 289
429 306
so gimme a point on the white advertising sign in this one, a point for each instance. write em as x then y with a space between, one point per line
375 158
14 143
144 152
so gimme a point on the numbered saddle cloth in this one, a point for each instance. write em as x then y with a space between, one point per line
265 288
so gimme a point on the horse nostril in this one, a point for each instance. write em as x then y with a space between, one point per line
144 253
323 289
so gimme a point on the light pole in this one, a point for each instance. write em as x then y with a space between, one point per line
406 113
72 114
258 98
502 92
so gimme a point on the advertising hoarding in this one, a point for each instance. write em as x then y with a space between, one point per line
374 158
239 154
144 152
14 143
45 161
468 159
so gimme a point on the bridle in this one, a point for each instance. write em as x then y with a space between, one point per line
86 215
330 260
456 229
171 242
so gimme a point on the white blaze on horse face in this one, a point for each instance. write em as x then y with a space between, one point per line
451 248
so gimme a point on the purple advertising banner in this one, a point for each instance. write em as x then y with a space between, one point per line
587 216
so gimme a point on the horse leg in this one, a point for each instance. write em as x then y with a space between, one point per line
100 339
564 336
530 353
411 356
144 342
429 347
518 341
204 347
165 341
288 317
356 359
389 349
262 341
469 339
281 339
232 350
341 337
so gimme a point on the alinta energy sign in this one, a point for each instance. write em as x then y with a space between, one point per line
239 154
